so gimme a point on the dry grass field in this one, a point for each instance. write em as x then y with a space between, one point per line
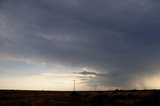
80 98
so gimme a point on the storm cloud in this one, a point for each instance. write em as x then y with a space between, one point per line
120 38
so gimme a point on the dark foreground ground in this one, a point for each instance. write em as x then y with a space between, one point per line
86 98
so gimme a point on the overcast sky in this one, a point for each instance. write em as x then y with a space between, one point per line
109 43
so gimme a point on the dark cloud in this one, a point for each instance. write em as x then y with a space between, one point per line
91 73
120 37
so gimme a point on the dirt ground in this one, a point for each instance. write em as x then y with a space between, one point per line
80 98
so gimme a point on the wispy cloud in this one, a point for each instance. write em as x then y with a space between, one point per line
91 73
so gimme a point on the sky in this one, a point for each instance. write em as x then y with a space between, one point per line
47 44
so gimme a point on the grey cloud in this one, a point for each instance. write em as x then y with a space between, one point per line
91 73
121 37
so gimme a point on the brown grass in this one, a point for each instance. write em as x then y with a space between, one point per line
86 98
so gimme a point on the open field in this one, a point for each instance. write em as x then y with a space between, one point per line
80 98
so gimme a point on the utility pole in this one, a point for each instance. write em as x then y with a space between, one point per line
95 87
74 85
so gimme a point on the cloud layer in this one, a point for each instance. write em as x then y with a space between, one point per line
121 38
